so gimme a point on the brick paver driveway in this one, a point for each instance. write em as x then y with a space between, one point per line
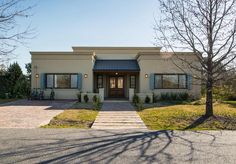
30 114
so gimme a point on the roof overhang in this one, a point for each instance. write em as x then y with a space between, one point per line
116 66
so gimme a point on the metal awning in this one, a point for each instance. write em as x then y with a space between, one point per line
116 65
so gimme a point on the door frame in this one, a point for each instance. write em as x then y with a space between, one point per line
116 87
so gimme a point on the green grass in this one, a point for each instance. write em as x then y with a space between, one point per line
2 101
80 115
187 116
73 118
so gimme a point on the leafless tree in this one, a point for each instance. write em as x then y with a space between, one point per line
205 27
11 33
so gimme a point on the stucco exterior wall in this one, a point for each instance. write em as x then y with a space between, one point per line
81 60
63 63
158 63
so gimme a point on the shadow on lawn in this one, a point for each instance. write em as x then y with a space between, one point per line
197 122
148 147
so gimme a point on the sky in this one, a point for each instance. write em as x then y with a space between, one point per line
61 24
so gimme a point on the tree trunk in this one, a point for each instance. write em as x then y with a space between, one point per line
209 97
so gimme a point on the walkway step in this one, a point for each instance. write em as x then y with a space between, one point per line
118 115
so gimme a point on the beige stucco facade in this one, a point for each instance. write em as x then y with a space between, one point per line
82 59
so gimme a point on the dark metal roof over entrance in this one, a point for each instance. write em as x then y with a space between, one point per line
116 65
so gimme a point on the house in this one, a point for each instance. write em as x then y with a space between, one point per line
114 72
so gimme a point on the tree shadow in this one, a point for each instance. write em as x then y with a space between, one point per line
104 147
197 122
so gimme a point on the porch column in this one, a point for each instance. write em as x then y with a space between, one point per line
131 94
101 94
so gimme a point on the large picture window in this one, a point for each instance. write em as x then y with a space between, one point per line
170 81
63 81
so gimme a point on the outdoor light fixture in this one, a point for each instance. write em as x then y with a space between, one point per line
85 75
146 75
116 73
36 75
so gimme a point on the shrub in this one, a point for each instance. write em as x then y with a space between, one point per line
136 99
95 98
165 96
79 97
174 96
86 98
97 103
140 106
155 98
147 99
184 96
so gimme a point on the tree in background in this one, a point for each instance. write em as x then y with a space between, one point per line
206 27
17 83
11 33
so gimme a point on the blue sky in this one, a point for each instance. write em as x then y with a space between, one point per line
61 24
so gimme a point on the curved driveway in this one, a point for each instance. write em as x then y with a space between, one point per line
30 114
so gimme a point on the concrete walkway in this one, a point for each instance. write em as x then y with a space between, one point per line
118 115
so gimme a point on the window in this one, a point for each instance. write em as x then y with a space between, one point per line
61 81
99 81
132 81
120 82
169 81
112 82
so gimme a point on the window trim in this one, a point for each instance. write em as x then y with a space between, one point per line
134 81
178 74
97 81
54 80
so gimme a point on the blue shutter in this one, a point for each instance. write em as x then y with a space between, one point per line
79 81
189 83
151 81
42 81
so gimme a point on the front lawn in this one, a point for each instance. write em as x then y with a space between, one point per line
187 116
2 101
80 115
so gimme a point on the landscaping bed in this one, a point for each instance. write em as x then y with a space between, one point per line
189 117
2 101
80 115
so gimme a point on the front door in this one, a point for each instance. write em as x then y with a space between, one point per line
116 87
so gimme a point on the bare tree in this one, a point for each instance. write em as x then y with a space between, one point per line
11 32
205 27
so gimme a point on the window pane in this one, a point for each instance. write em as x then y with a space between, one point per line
74 81
170 81
132 81
62 81
100 81
182 81
120 82
158 81
49 81
112 82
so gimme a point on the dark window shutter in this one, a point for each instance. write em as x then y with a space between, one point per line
151 81
189 83
79 81
42 81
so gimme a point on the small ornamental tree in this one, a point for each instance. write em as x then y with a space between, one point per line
205 27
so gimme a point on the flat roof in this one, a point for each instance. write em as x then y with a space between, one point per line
114 48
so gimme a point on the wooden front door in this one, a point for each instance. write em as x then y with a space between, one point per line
116 87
